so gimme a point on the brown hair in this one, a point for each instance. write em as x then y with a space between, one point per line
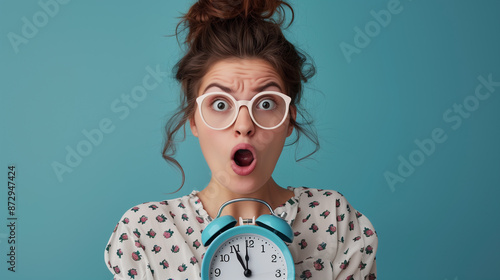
219 30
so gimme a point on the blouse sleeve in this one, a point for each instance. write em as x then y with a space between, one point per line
332 240
357 244
124 253
157 240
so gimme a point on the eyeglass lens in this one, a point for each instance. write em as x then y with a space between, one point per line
219 110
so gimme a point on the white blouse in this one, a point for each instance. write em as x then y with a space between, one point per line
162 240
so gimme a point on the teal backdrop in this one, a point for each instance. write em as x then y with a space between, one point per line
406 103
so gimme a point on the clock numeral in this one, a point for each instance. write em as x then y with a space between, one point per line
278 273
273 257
263 249
225 258
217 272
250 243
236 248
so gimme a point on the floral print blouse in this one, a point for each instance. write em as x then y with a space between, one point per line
162 240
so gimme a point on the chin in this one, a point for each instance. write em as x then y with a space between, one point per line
241 185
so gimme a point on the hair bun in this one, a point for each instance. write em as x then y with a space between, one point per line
205 12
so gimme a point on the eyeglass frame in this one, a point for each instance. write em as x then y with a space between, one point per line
246 103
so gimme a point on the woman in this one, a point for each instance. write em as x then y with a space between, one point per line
242 83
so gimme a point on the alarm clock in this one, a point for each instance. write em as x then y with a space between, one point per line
247 251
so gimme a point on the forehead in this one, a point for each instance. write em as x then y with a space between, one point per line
238 75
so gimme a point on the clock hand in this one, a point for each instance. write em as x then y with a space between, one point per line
247 272
239 258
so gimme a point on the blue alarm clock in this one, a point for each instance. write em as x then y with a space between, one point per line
247 251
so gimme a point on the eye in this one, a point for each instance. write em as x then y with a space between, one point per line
220 105
266 104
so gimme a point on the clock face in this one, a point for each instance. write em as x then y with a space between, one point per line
248 256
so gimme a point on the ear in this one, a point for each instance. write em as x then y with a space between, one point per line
293 114
192 125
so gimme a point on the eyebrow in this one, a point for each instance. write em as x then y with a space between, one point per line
270 84
229 90
223 88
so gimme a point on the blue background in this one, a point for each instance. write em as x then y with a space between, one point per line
441 222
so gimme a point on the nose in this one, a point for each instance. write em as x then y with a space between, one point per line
244 124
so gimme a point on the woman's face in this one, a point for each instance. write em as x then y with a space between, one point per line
242 157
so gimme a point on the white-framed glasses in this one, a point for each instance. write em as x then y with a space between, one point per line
219 110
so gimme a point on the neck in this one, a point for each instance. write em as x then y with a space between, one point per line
214 195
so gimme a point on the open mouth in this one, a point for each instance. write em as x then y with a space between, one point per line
243 157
